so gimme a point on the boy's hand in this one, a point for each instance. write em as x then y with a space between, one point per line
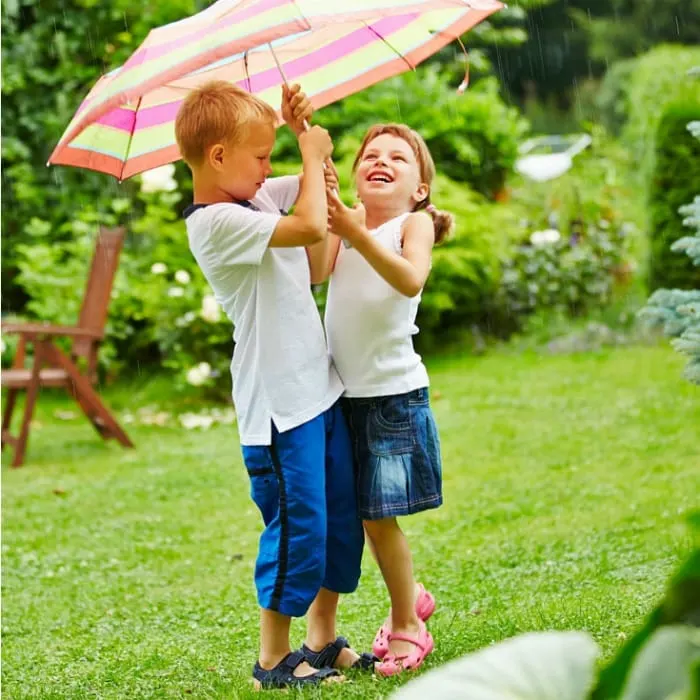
315 143
296 108
346 222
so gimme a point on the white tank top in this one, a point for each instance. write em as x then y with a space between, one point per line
370 326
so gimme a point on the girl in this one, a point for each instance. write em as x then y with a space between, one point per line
373 298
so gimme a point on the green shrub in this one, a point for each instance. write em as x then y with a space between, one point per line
612 100
675 180
466 268
638 91
567 274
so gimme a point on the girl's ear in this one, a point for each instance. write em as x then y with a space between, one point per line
422 192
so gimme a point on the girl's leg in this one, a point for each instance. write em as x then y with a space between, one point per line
393 555
373 552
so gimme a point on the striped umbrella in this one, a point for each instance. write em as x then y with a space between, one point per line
126 124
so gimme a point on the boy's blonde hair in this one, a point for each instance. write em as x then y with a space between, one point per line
217 112
443 221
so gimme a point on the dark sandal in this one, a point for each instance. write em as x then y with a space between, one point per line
327 657
282 675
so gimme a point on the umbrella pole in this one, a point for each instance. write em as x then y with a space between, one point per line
284 77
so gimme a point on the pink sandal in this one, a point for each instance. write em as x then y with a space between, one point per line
392 664
425 607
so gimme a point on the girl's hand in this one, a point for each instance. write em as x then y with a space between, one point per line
296 108
343 221
331 176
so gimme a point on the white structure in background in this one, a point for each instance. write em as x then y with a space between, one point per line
547 157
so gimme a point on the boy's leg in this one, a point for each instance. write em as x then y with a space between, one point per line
393 555
345 537
288 485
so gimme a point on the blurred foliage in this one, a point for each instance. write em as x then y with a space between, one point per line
52 51
677 311
675 180
627 28
569 273
570 42
634 93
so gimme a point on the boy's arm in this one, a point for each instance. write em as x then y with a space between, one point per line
407 272
322 255
309 222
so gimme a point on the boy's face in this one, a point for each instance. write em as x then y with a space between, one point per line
387 170
241 167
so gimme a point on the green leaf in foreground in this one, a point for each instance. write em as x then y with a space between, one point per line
534 666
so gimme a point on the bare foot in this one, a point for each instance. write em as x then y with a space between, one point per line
346 658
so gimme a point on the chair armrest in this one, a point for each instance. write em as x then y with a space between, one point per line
46 330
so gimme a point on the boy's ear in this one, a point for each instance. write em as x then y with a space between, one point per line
215 156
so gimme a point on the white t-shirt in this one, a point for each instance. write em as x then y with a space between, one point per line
281 367
370 325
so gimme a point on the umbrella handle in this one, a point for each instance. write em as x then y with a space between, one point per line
305 123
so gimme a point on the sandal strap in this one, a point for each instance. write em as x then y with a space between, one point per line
406 638
366 661
327 656
282 675
292 660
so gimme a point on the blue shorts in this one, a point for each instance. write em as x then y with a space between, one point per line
397 454
303 484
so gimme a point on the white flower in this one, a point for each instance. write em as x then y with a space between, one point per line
197 375
159 179
193 420
182 277
176 292
546 237
186 319
3 346
159 268
211 311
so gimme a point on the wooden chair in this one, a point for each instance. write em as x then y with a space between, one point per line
51 367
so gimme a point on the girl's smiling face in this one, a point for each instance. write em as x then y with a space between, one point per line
388 170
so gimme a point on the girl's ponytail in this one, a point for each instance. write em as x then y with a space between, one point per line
443 221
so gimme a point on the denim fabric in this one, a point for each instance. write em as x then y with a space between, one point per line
303 485
397 454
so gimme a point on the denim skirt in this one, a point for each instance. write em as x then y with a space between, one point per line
397 454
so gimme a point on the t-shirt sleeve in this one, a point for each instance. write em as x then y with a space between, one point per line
283 191
239 236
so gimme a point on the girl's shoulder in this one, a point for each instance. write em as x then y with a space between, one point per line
416 221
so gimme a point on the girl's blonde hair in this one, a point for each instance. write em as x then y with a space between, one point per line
443 221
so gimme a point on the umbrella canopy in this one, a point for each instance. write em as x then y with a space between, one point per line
126 123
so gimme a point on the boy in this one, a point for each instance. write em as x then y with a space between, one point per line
295 442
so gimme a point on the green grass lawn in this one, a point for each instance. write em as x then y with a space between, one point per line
129 573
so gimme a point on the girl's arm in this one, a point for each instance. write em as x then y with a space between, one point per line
407 272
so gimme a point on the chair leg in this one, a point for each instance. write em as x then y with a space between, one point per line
88 400
32 393
7 415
